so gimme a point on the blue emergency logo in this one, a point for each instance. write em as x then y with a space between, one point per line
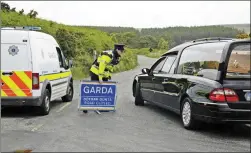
13 50
248 96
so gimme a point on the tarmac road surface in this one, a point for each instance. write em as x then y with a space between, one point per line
130 128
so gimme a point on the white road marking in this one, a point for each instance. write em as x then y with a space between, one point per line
37 127
63 107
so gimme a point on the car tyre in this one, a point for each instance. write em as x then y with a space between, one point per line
138 99
44 109
187 115
69 96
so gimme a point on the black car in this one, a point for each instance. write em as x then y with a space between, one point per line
202 80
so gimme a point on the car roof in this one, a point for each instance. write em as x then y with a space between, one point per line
180 47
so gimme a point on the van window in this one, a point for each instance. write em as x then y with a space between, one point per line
239 61
201 60
60 58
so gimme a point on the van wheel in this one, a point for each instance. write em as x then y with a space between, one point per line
45 107
69 96
187 115
138 99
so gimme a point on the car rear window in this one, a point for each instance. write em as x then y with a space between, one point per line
239 61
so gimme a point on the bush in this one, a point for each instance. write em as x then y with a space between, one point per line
128 61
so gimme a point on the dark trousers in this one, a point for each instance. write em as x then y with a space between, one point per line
94 77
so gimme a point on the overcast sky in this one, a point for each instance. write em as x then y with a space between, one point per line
139 14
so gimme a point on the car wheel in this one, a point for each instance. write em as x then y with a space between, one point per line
45 107
138 99
69 96
187 115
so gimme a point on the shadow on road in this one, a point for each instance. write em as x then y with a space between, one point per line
238 131
25 111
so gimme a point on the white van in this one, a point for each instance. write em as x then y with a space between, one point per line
34 71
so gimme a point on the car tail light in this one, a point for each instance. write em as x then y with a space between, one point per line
35 81
223 95
231 96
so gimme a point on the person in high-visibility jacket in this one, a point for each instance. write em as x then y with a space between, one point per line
103 66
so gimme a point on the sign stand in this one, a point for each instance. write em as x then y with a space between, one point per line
97 97
98 112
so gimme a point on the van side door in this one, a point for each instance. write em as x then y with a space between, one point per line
64 74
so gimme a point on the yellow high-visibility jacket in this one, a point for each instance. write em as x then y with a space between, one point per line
103 66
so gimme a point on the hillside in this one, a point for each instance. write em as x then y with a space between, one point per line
153 37
244 27
77 43
112 29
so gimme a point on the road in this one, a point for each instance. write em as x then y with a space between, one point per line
130 128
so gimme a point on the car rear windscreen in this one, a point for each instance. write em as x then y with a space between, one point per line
239 61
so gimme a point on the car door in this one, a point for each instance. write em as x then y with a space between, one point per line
166 91
147 81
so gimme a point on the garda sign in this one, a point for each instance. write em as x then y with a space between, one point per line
95 96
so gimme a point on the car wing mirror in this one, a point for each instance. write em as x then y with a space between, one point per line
145 71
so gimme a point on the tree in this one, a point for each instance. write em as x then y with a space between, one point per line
30 13
13 9
21 12
162 44
34 15
5 6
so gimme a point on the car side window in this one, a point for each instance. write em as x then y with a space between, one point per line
158 65
60 58
201 60
168 63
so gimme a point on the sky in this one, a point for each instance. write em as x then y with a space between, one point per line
139 14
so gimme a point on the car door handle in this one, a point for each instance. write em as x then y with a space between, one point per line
7 73
153 79
165 80
180 85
